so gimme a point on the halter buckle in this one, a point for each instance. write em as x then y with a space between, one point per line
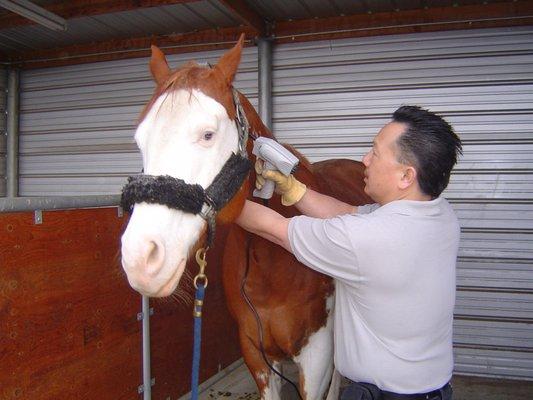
208 208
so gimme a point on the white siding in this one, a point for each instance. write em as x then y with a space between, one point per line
332 97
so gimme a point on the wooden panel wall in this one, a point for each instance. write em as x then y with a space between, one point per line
68 326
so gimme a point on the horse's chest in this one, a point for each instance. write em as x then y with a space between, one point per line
294 301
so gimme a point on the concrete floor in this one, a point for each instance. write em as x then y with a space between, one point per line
237 384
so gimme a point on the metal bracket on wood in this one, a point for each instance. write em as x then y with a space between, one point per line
140 316
38 217
140 389
120 212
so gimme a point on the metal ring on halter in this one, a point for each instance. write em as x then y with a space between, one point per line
200 276
208 208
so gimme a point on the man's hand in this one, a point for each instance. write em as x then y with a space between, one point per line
290 188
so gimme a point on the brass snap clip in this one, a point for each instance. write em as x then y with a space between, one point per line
201 254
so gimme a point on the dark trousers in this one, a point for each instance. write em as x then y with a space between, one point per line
368 391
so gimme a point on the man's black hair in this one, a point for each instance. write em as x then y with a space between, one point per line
430 145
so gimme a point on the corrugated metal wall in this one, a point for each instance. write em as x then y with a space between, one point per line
77 122
3 130
331 99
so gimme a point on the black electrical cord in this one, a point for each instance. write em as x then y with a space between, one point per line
260 325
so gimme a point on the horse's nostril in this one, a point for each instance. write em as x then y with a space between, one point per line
155 256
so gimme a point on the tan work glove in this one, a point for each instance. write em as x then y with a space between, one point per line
290 188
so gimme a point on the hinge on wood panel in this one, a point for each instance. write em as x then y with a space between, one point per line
120 212
38 217
140 316
140 389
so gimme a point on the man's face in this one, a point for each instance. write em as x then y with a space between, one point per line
383 172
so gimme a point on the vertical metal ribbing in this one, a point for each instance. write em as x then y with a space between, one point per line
12 133
265 80
147 379
3 128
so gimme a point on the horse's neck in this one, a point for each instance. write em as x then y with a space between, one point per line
256 124
260 129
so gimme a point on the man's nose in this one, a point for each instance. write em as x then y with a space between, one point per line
366 159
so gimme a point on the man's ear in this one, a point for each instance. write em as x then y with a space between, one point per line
408 177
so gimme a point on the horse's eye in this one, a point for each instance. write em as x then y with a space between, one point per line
208 135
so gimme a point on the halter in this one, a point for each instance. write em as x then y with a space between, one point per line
193 198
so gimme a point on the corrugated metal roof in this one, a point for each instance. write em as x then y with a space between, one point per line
281 10
177 18
199 15
124 28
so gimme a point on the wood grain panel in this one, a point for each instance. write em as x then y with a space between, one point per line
68 327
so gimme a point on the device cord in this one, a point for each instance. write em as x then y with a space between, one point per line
260 325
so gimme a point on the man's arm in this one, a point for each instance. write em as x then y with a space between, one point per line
266 223
307 201
317 205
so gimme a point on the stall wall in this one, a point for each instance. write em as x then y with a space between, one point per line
68 319
77 122
332 97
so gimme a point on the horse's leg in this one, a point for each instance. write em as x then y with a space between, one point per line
268 383
273 388
315 361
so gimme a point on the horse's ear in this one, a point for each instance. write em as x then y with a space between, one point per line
229 62
159 66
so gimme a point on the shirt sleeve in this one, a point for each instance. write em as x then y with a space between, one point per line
367 208
324 245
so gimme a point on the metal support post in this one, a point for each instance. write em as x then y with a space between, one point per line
265 80
12 156
147 379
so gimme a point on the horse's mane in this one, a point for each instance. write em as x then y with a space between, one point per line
210 81
260 129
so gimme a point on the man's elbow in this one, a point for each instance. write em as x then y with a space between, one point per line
282 236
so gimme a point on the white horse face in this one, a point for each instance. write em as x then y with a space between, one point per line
189 136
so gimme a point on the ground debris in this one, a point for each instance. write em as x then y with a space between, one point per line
226 395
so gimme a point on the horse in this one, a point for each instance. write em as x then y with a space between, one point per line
187 134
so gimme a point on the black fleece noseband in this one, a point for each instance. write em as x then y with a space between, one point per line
192 198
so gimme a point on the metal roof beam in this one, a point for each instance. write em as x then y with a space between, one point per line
209 39
85 8
35 13
247 15
516 13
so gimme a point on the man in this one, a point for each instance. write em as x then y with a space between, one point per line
393 261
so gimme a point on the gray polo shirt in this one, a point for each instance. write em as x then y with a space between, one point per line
394 268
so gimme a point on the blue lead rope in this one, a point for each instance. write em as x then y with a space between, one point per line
197 313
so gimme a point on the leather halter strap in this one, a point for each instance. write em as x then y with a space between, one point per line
190 198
